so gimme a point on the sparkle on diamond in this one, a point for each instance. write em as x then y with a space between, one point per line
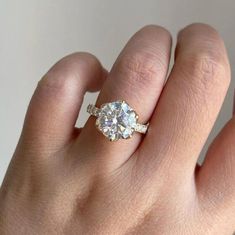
116 120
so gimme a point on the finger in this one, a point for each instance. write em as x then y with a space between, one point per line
190 102
216 178
234 103
55 105
137 77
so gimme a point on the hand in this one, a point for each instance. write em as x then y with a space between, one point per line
64 180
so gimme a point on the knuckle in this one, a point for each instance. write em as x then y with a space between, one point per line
63 76
142 67
61 84
68 73
157 29
204 54
200 27
201 34
206 68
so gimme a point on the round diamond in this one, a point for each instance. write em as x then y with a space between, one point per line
116 120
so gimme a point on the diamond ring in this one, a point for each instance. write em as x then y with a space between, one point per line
116 120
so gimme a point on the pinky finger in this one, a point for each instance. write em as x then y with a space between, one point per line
55 105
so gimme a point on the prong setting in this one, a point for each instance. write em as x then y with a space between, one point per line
116 120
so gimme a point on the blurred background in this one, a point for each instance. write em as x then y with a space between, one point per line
35 34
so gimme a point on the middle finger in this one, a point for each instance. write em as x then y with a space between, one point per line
190 102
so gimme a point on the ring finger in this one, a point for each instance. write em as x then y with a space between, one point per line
137 77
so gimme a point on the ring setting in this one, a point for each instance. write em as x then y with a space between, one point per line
116 120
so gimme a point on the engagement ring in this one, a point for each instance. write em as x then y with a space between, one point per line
117 120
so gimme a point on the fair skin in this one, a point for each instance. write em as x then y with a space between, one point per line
65 180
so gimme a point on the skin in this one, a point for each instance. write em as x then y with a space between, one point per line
64 180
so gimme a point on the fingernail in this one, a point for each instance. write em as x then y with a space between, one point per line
234 103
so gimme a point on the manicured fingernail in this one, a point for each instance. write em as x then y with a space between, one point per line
234 103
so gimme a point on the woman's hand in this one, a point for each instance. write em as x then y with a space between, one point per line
64 180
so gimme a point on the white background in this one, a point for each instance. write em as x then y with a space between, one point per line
35 34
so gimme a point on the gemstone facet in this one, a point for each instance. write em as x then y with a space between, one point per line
117 120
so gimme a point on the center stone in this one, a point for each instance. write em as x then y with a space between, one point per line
116 120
